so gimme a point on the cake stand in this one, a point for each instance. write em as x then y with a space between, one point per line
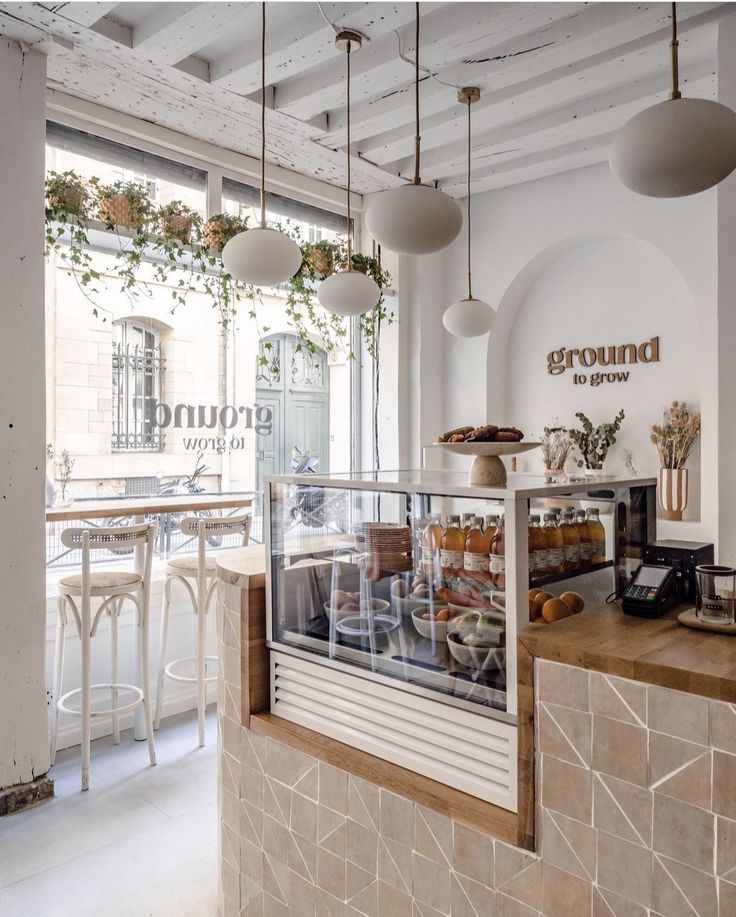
487 469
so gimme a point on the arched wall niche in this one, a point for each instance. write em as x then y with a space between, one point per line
590 291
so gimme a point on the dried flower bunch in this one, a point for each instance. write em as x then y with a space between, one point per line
556 446
676 435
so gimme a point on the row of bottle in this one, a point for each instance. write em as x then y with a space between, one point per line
569 541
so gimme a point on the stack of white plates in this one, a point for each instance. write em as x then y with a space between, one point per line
387 543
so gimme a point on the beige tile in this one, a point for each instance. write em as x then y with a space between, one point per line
472 854
681 891
304 817
365 901
302 858
333 788
308 783
364 802
433 835
251 862
618 698
563 684
432 883
683 832
510 861
726 898
251 785
608 904
564 894
569 845
276 878
361 845
668 754
394 864
525 886
693 783
678 714
620 749
510 907
252 749
726 848
392 901
331 830
419 909
272 907
470 898
567 789
625 868
328 905
277 800
302 896
331 873
251 823
279 762
724 782
723 726
623 809
397 817
565 733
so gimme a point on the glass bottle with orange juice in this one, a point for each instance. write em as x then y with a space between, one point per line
498 558
477 551
586 542
597 537
453 548
571 539
431 543
555 545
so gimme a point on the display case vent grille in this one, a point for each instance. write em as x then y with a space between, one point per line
470 752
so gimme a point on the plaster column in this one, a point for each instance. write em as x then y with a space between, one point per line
726 315
24 747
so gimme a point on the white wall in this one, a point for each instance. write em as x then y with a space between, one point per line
577 260
24 753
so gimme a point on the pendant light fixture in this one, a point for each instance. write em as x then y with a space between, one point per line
469 317
677 147
262 256
414 219
348 292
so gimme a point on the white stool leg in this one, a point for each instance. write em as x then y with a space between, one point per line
162 651
145 665
58 674
86 692
201 610
114 612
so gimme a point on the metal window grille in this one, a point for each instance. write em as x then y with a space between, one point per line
136 385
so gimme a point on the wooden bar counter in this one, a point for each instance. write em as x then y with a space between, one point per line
627 751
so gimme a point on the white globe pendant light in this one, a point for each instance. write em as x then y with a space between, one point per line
469 317
414 219
677 147
262 256
348 292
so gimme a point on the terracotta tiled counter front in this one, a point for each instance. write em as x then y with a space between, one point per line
635 816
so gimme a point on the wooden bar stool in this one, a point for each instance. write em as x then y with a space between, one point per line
114 587
203 571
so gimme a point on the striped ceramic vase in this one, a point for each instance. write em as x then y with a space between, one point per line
673 492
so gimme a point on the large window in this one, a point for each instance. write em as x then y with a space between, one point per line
137 373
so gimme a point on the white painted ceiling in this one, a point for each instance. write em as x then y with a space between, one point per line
556 79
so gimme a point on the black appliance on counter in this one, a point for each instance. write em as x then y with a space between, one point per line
683 557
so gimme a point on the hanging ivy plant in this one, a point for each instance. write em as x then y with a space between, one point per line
185 253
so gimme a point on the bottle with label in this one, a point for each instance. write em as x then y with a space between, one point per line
498 558
598 537
467 523
491 524
431 543
555 545
586 542
477 551
453 548
537 550
571 538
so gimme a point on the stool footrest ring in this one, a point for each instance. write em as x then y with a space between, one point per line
61 703
187 678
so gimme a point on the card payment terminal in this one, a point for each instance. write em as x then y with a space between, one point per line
651 592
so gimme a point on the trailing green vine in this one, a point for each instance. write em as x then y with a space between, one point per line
184 252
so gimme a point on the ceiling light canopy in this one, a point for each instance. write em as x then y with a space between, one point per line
677 147
414 219
262 256
348 292
469 317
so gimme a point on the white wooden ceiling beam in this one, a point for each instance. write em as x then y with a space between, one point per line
610 29
446 33
298 44
86 14
175 31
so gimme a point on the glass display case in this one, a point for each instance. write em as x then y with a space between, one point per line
395 600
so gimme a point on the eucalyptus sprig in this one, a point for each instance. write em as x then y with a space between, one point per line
592 442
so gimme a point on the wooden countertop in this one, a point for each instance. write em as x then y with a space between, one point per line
142 506
659 651
239 562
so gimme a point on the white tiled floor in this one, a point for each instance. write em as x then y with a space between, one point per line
141 843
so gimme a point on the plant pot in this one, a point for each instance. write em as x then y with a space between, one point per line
217 233
71 200
673 484
177 226
121 211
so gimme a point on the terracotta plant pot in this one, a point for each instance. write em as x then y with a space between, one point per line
70 199
177 226
121 211
673 492
218 233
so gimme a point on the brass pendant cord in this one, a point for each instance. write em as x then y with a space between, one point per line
470 290
350 222
263 115
417 138
674 43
